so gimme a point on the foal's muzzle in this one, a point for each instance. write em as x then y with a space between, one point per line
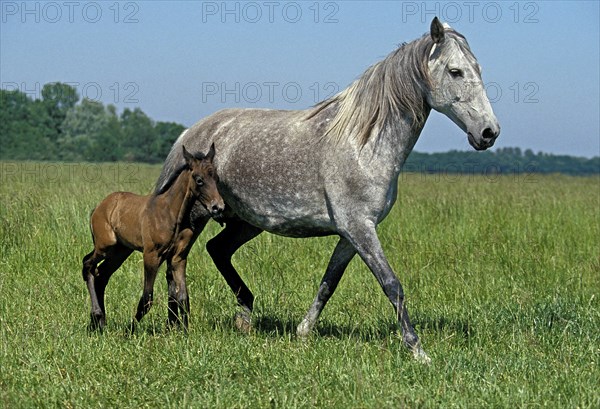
216 209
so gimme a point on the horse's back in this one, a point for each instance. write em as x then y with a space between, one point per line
118 218
269 164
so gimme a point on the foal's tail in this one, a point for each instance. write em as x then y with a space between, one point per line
85 269
90 224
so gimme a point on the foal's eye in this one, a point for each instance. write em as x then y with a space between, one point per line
456 73
199 182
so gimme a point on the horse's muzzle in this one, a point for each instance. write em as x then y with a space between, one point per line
486 140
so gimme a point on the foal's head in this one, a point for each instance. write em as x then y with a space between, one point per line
203 180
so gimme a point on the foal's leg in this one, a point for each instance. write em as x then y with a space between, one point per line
343 253
179 301
221 248
151 264
90 262
363 236
114 258
178 295
173 308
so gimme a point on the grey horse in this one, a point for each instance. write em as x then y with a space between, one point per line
333 169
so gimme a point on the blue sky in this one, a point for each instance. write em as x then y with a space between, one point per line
181 61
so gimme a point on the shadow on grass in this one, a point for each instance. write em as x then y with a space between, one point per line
276 327
444 324
273 326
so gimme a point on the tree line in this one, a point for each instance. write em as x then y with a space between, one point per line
60 127
501 161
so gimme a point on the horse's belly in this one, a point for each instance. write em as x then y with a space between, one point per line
292 228
291 218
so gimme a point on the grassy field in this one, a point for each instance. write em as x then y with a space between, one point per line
502 276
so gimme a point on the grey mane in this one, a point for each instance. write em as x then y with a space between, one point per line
384 90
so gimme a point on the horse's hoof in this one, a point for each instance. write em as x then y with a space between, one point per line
242 322
420 355
303 330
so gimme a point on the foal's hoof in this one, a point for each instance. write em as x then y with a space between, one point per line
243 322
97 322
130 331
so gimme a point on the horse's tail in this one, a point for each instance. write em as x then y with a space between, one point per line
172 165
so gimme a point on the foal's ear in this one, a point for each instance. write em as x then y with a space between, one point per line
188 157
437 30
211 152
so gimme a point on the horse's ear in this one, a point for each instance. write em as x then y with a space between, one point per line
437 30
187 156
211 152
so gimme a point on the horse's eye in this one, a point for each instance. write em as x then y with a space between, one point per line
456 73
199 182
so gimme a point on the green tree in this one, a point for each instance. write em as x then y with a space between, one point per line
168 132
82 131
107 143
140 138
25 131
58 99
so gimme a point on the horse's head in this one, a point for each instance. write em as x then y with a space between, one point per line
203 181
457 90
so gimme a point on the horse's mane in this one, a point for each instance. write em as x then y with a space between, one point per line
385 90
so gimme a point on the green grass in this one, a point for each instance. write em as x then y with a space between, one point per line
502 277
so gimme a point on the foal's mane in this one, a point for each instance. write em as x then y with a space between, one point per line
390 88
176 173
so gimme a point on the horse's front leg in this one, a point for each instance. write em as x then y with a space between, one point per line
342 255
151 263
179 301
363 237
221 248
173 309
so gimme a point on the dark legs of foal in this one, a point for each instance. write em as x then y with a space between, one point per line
179 301
151 264
96 278
221 248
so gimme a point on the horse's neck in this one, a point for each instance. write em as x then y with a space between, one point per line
178 198
390 147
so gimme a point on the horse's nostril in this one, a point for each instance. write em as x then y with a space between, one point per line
488 134
216 209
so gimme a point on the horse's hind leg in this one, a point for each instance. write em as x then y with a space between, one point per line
114 259
342 255
221 248
90 263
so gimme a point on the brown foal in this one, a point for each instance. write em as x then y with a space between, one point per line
157 225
